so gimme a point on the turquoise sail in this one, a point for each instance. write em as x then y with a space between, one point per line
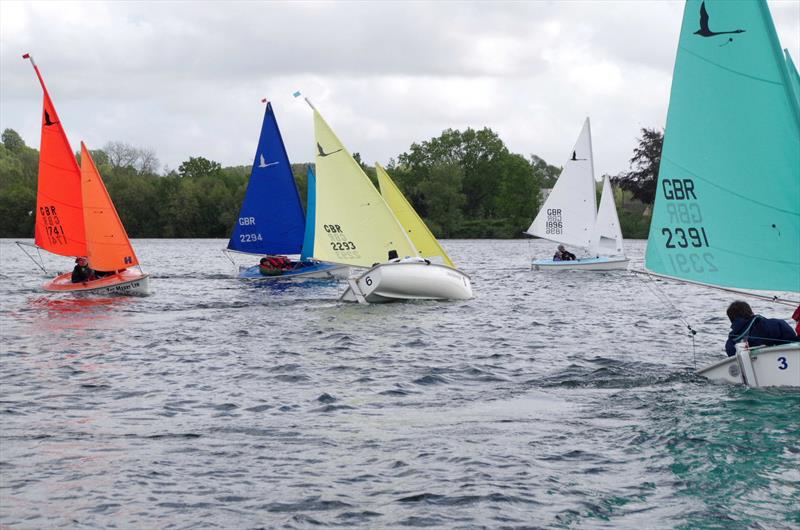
311 215
794 77
727 209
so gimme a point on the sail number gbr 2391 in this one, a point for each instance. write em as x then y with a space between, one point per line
683 228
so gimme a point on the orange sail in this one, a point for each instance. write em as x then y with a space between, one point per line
108 246
59 207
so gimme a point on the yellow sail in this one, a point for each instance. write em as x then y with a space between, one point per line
353 225
415 227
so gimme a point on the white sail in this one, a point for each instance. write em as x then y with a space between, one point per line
607 237
568 215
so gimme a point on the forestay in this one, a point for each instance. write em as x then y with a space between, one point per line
271 220
727 209
568 214
353 224
607 236
107 244
415 227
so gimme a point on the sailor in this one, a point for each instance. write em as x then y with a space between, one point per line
274 265
82 273
563 254
755 329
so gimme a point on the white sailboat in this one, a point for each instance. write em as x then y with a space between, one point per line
355 226
727 208
570 216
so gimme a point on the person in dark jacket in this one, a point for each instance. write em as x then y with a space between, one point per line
755 329
563 254
82 273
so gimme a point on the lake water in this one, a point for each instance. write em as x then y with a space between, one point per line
551 400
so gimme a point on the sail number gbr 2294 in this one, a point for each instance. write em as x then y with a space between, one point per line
684 229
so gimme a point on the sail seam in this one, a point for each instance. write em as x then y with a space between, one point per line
746 198
736 72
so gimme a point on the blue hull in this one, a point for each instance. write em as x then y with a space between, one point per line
300 269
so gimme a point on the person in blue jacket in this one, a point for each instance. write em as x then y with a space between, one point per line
755 329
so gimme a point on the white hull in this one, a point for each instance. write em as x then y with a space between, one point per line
758 367
408 280
586 264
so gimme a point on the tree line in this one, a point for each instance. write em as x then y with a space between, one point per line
465 184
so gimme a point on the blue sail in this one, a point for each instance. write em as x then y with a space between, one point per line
271 220
311 210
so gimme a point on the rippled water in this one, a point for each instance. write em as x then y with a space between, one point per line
552 400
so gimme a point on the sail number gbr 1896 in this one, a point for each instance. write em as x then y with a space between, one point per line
683 228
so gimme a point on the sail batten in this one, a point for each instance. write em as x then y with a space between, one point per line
727 209
271 219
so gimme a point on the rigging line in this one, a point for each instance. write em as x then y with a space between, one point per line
667 300
40 265
768 298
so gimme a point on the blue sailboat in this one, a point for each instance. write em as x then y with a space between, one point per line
271 222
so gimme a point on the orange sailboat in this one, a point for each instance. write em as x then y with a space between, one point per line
75 216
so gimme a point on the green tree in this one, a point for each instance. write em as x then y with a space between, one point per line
13 141
197 167
642 178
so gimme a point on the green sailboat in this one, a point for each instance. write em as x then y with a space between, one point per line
727 209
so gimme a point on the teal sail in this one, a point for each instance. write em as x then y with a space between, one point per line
727 209
311 215
794 77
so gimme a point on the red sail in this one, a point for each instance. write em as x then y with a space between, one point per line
109 248
59 206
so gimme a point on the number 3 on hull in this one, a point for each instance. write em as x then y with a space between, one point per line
727 208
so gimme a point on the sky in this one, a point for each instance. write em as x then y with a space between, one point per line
187 78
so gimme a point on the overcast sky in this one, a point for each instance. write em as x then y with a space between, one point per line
186 78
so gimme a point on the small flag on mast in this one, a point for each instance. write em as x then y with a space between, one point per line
263 100
297 94
26 56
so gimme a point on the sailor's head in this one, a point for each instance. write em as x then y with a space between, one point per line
739 309
561 248
82 261
263 261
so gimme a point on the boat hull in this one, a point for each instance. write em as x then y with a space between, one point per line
601 263
127 282
414 280
758 367
318 270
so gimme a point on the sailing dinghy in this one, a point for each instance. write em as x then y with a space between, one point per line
75 215
271 219
355 226
727 208
570 216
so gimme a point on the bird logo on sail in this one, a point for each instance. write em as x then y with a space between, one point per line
263 163
323 153
705 31
47 120
575 156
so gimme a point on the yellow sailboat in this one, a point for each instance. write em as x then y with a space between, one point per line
355 226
